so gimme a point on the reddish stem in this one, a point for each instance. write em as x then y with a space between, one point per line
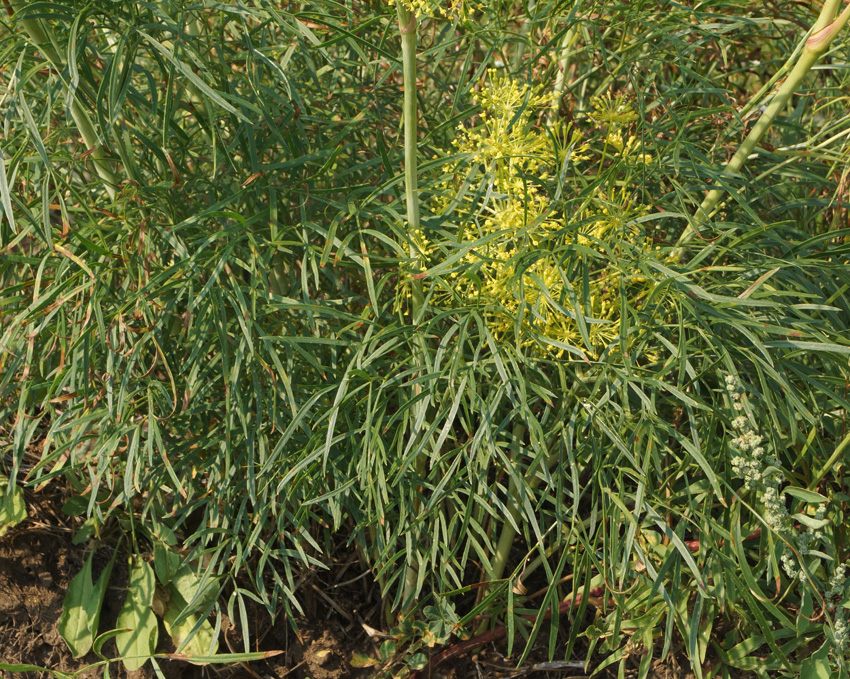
693 545
500 631
495 634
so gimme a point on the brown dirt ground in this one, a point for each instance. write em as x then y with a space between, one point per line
38 560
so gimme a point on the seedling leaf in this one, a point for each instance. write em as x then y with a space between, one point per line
202 643
13 509
138 644
78 612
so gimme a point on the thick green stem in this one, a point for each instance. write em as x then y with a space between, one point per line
43 39
407 26
561 78
506 539
823 32
508 532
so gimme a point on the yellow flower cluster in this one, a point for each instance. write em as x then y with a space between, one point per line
614 114
461 9
510 264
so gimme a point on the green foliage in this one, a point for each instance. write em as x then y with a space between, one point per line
81 607
221 334
13 508
219 658
138 642
182 599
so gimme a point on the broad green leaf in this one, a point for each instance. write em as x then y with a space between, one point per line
139 643
86 531
13 509
77 624
76 505
805 495
417 661
142 581
812 523
202 643
165 534
188 583
816 667
99 591
387 650
166 562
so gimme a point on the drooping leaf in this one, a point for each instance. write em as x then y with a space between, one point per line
805 495
22 667
101 639
814 524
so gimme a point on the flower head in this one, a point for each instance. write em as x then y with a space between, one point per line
612 112
461 9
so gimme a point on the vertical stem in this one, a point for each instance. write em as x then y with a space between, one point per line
407 26
513 501
43 39
561 77
824 31
506 539
524 31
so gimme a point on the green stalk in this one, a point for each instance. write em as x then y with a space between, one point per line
508 532
823 32
524 31
407 26
506 539
561 78
46 43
